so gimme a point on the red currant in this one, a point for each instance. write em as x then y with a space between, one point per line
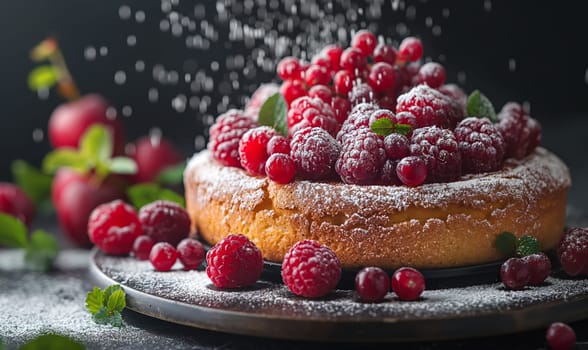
289 69
560 336
142 247
352 59
410 50
381 77
278 144
291 90
163 256
343 82
316 75
432 74
412 171
540 267
280 168
365 41
385 53
515 273
372 284
388 101
191 253
408 283
333 53
341 107
322 92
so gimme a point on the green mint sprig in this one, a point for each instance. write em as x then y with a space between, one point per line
51 342
508 244
41 248
527 245
172 175
385 127
145 193
106 305
273 113
34 182
478 105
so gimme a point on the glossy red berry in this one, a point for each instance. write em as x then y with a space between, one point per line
280 168
560 336
381 77
278 144
341 107
253 149
362 93
165 221
397 146
291 90
113 227
410 50
163 256
343 82
333 54
234 262
314 152
540 267
412 171
289 68
515 273
225 135
142 247
573 251
322 92
353 60
439 148
385 53
191 253
432 74
365 41
408 283
372 284
316 75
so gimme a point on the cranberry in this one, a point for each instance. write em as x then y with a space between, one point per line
573 251
163 256
353 60
280 168
152 155
540 267
365 41
385 53
278 144
388 175
432 74
191 253
341 107
412 171
343 82
316 75
372 284
113 227
142 247
253 149
289 69
381 77
560 336
291 90
333 53
15 202
322 92
397 147
322 61
410 50
408 283
515 273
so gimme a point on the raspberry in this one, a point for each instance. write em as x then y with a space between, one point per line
314 153
353 60
191 253
310 269
573 251
359 117
521 133
263 92
540 267
381 113
439 148
408 283
362 157
432 74
515 273
361 93
307 111
406 118
113 227
343 82
289 69
165 221
280 168
253 149
291 90
397 146
411 171
163 256
410 50
142 247
372 284
322 92
385 53
234 262
316 75
341 107
333 54
480 144
278 144
456 93
365 41
381 77
225 135
430 107
560 336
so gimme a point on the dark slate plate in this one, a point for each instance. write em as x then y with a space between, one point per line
268 309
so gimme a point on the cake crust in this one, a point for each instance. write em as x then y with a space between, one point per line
430 226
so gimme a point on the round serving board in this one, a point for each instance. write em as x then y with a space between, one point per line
268 309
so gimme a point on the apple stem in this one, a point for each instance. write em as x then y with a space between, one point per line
66 86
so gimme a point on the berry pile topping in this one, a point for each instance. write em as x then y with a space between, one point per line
439 148
362 157
113 227
412 171
225 135
234 262
165 221
480 144
310 269
280 168
560 336
521 133
430 107
408 283
314 152
314 112
253 149
372 284
573 251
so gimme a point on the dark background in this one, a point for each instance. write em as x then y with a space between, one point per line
546 39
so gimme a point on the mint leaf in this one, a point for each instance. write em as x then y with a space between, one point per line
105 317
96 144
506 243
52 342
35 183
13 233
385 127
527 245
109 290
172 175
94 300
479 106
116 301
65 157
123 165
146 193
41 251
43 77
273 113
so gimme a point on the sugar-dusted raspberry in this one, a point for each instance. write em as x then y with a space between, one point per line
361 93
439 148
291 90
234 262
411 171
316 75
311 269
341 107
430 107
408 283
113 227
165 221
372 284
359 117
432 74
410 50
343 82
191 253
521 133
313 112
225 134
163 256
573 251
515 273
540 267
280 168
480 144
456 93
381 113
142 247
322 92
362 157
397 146
278 144
560 336
385 53
253 149
289 68
314 152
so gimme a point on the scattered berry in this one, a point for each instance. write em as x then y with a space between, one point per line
353 60
381 77
314 153
278 144
407 118
191 253
432 74
560 336
234 262
412 171
165 221
289 69
225 134
316 75
439 148
163 256
480 144
113 227
397 146
410 50
253 149
365 41
142 247
456 93
280 168
385 53
310 269
408 283
15 202
430 107
343 82
322 92
291 90
515 273
362 157
521 133
540 267
307 111
573 251
372 284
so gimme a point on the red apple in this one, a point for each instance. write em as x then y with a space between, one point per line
70 120
16 202
74 196
153 154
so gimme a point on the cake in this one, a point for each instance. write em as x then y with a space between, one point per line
389 168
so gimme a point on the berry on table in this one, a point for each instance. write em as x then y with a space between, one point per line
362 157
225 134
381 77
365 41
410 50
191 253
280 168
408 283
540 267
481 145
439 148
163 256
113 227
289 68
253 149
573 251
412 171
372 284
314 152
165 221
515 273
234 262
142 247
560 336
432 74
311 269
